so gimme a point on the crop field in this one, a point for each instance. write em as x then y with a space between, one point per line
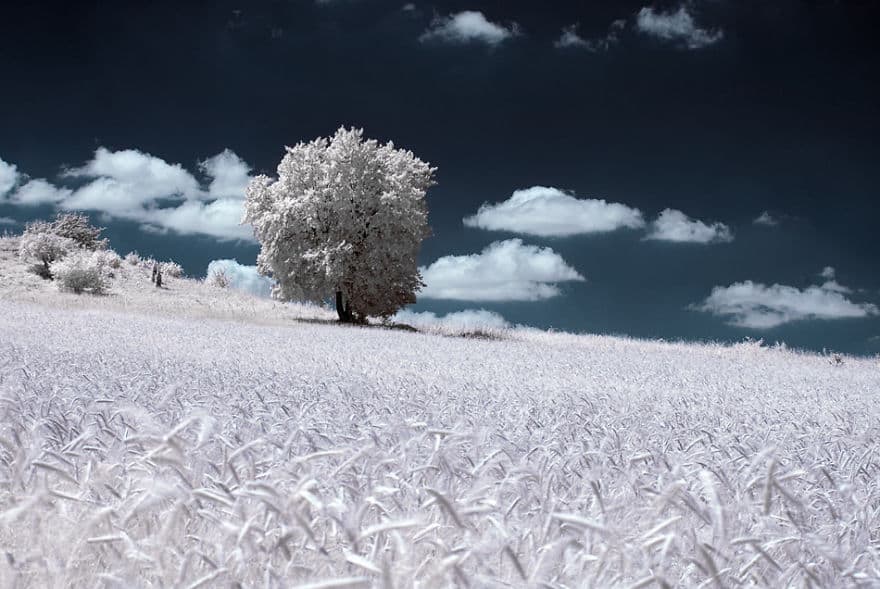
153 450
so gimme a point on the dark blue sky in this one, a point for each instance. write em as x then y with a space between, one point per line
719 109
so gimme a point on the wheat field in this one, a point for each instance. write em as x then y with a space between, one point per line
147 449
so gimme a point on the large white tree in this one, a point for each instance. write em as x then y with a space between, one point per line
345 218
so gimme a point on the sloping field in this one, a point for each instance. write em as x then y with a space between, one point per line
140 451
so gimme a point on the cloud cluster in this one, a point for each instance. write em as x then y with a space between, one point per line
571 39
242 277
504 271
550 212
458 321
468 26
136 186
766 219
675 26
757 306
674 225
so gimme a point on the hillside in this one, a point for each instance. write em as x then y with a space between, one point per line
194 436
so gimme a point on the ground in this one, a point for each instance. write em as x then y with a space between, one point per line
193 436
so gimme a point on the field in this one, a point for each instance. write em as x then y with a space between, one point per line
220 443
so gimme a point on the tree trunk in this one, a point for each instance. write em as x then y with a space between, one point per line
343 310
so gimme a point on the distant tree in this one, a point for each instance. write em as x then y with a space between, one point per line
39 245
80 271
76 226
344 219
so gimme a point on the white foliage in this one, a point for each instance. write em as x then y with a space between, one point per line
345 214
172 269
81 271
133 258
217 278
43 247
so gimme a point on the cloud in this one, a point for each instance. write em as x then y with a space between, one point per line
242 277
676 26
469 26
9 177
828 272
137 186
767 219
673 225
8 221
754 305
503 271
229 175
550 212
571 39
38 192
467 320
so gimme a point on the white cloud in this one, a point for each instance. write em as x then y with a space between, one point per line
8 221
137 186
571 39
242 277
676 26
503 271
754 305
767 219
408 7
828 272
673 225
9 177
38 192
550 212
468 26
229 175
467 320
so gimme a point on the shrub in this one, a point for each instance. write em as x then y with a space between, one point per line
79 272
76 226
218 279
133 258
172 269
44 248
108 258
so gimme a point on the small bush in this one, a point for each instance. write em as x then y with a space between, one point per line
44 248
79 272
218 279
133 258
108 259
172 269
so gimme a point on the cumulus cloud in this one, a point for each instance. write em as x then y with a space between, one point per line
38 192
676 26
467 320
673 225
137 186
571 39
468 26
9 177
757 306
828 272
550 212
767 219
504 271
242 277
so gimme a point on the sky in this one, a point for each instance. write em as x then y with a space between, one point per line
702 170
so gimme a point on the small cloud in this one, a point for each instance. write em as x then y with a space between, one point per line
469 26
756 306
676 26
673 225
9 177
503 271
229 175
8 221
467 320
408 7
242 277
767 219
550 212
828 272
39 192
571 39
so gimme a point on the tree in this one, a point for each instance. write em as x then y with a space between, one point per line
345 219
76 226
38 244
